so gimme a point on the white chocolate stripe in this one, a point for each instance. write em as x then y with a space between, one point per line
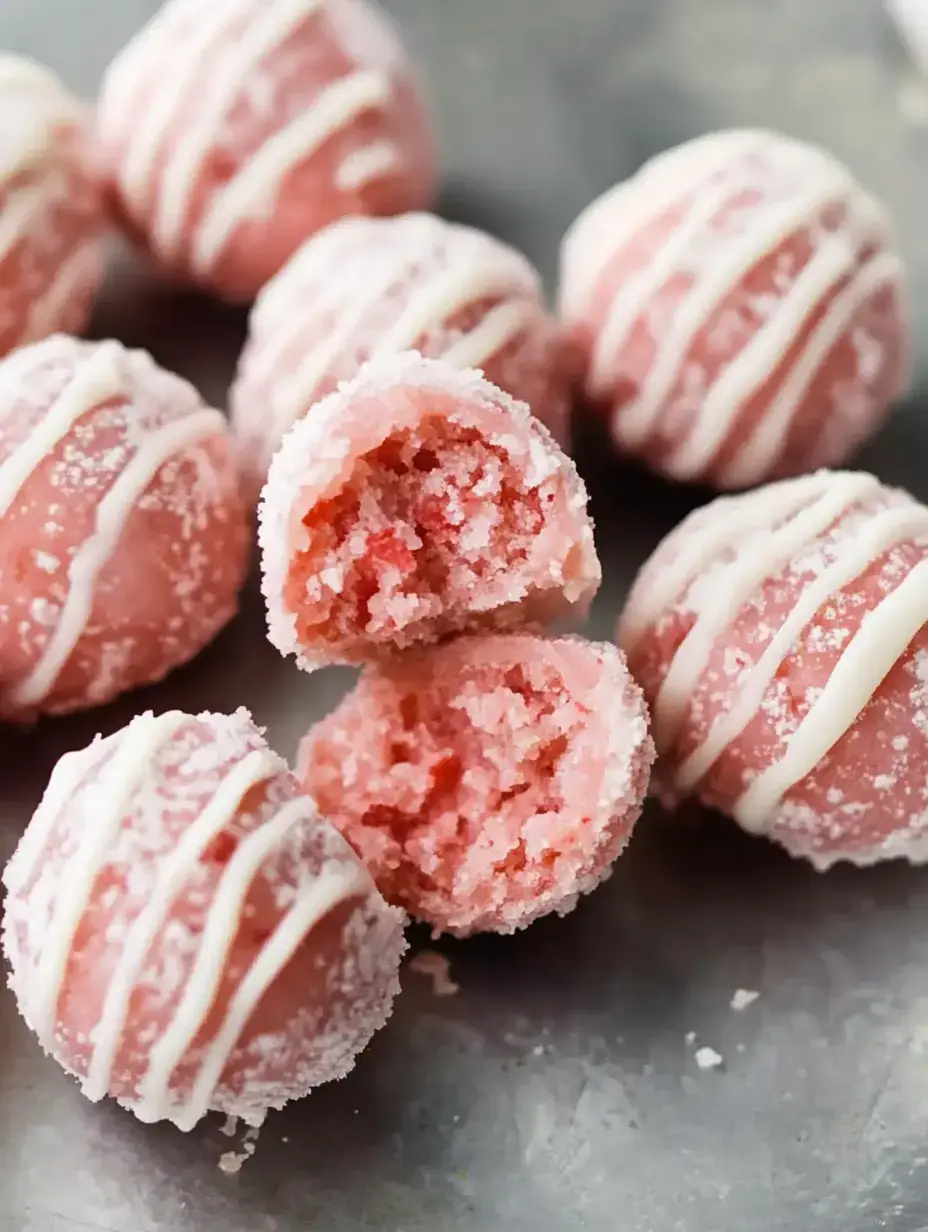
140 743
879 643
498 328
255 186
331 887
763 447
93 554
367 164
25 206
173 876
741 578
892 527
78 273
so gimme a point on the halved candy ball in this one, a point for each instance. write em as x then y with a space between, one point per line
739 310
186 933
416 502
489 781
781 641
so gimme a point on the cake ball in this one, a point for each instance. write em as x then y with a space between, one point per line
124 538
415 502
488 781
51 215
228 133
186 933
379 286
781 642
911 18
738 310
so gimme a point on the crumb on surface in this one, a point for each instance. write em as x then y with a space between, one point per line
708 1058
437 968
742 998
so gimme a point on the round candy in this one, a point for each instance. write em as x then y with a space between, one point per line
366 287
51 216
489 781
186 933
738 307
123 534
781 641
911 18
416 502
230 132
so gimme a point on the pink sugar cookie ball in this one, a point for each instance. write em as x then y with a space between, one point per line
124 538
186 933
51 217
377 286
781 641
739 310
488 781
229 132
416 502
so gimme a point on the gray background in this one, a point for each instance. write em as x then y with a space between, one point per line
557 1090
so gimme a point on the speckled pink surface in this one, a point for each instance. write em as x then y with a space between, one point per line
489 781
155 870
416 502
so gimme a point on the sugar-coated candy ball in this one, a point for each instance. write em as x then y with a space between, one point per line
124 537
228 133
416 502
377 286
488 781
52 220
186 933
911 18
738 310
781 641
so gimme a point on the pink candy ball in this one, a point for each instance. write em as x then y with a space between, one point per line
416 502
229 132
489 781
186 933
123 535
738 310
781 639
51 217
368 286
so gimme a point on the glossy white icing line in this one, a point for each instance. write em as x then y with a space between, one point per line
367 164
501 326
75 276
139 746
254 188
173 876
879 643
756 561
25 208
93 554
887 530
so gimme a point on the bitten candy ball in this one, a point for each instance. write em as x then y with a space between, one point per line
186 933
124 538
489 781
52 220
228 133
781 642
417 502
738 309
370 287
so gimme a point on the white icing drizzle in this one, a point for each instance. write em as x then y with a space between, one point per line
93 554
33 105
139 745
501 326
255 186
364 166
76 274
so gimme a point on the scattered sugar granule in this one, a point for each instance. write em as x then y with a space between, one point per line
743 997
708 1058
232 1161
690 1037
437 968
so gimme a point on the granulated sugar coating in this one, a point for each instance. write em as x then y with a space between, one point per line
416 502
489 781
229 132
780 639
380 286
186 933
738 309
123 535
51 216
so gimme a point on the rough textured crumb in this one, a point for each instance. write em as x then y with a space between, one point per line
742 998
708 1058
437 968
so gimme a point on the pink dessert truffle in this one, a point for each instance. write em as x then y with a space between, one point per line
739 311
52 220
417 502
229 132
781 641
488 781
380 286
124 538
186 933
